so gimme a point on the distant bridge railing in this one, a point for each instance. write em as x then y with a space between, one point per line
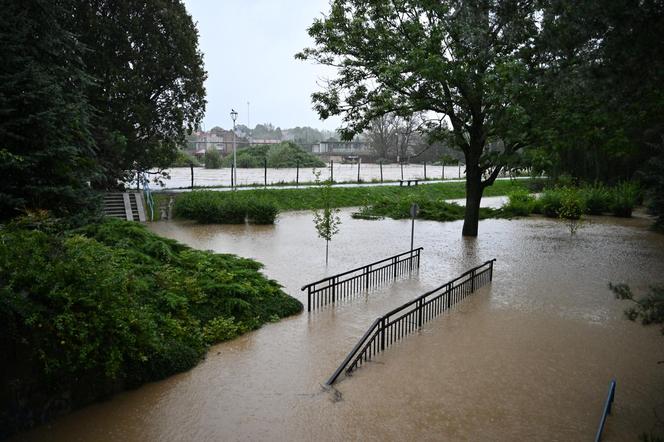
333 288
408 318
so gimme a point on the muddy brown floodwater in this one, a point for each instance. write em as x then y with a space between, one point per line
528 357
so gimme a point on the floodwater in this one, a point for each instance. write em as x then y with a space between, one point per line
528 357
181 176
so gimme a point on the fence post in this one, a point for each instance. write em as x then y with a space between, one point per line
297 173
232 184
401 164
265 169
381 170
425 171
331 171
443 172
191 167
359 163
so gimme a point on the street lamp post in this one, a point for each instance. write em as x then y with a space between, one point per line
234 117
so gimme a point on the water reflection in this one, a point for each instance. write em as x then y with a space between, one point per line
528 357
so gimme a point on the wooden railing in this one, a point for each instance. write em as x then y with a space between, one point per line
409 317
333 288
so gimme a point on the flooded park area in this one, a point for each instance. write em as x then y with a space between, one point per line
527 357
181 177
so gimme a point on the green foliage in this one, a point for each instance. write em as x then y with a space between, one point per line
284 154
148 90
326 220
648 309
624 197
520 203
213 159
430 209
226 207
86 313
572 207
47 155
551 201
598 198
468 61
185 159
654 181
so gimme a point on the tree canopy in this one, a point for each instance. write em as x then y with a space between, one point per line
466 63
148 89
47 155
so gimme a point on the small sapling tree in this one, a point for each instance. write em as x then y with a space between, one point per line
326 220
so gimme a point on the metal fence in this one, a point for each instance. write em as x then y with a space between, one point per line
340 286
408 318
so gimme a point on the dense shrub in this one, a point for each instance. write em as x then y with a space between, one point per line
550 201
213 159
262 211
624 197
520 203
597 198
84 314
185 159
286 154
430 209
226 207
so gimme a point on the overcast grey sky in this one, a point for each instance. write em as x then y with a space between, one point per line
248 48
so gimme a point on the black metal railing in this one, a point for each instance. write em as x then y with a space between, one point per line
607 409
408 318
343 285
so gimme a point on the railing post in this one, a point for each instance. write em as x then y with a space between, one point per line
334 292
472 281
419 313
395 266
449 295
366 277
491 270
382 333
309 298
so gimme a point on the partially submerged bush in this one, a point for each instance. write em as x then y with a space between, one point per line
225 208
597 198
84 314
520 203
551 200
624 197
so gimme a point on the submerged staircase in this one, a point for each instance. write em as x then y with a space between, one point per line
124 205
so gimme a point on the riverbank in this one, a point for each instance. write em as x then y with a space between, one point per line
310 198
87 313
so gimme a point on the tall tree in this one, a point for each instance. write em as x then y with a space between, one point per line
148 90
463 61
46 153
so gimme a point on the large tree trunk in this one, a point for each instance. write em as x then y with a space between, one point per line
474 191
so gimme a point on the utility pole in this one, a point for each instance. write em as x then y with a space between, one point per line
234 117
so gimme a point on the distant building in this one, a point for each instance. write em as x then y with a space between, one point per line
343 150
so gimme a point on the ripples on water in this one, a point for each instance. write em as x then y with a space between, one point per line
528 357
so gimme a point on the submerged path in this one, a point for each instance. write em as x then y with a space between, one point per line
525 358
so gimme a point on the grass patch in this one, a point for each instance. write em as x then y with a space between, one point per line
86 313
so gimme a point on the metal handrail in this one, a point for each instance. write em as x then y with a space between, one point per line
410 252
607 409
333 288
383 323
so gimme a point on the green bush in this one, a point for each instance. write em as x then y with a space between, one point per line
623 199
551 201
185 159
213 159
598 199
520 203
286 154
226 207
86 313
262 211
572 206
